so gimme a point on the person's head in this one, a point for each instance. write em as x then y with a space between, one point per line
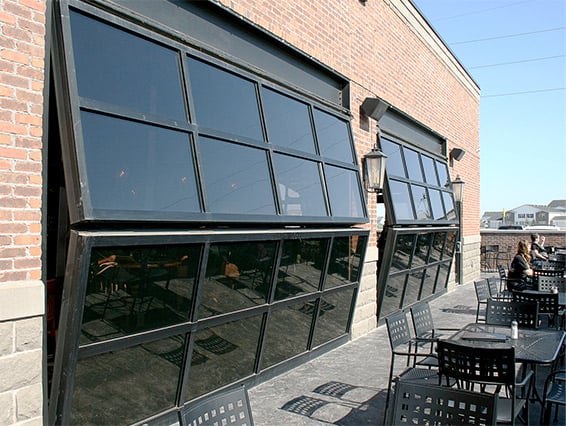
524 249
534 237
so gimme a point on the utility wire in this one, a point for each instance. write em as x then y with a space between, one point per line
517 62
523 93
507 36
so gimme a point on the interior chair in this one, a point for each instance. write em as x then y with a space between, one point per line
547 304
482 295
487 370
548 283
423 323
417 404
230 407
554 394
501 312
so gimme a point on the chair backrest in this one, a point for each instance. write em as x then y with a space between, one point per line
474 365
547 302
417 404
422 319
398 329
493 285
548 273
548 283
501 312
231 407
502 273
482 290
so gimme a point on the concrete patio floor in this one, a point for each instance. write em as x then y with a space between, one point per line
348 386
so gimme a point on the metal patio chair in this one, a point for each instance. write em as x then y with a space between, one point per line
501 312
547 304
230 407
482 294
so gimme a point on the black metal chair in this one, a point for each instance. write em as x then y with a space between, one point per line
554 394
548 283
502 277
482 294
417 404
489 369
547 304
423 323
502 312
547 273
231 407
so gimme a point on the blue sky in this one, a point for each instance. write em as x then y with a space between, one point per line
516 51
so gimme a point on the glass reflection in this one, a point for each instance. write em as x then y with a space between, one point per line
120 68
403 252
436 203
430 170
301 267
413 287
420 197
422 248
442 170
288 121
344 267
449 205
238 276
392 294
413 165
333 137
333 315
136 288
429 281
223 354
443 275
344 192
113 388
224 101
394 165
437 246
236 178
287 333
401 200
134 166
450 245
300 186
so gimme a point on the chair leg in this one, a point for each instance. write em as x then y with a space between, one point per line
388 389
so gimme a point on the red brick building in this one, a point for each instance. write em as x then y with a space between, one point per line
72 94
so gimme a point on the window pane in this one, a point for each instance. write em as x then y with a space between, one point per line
236 178
113 388
237 277
394 165
429 281
430 171
442 279
442 170
344 267
120 68
436 203
413 287
449 205
333 316
401 201
422 248
450 245
134 166
333 137
421 202
288 121
223 354
300 186
403 252
224 101
392 295
437 246
413 165
287 333
132 289
301 267
344 192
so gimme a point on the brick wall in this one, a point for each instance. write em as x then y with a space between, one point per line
507 240
22 53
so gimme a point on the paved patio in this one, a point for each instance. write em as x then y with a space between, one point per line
348 385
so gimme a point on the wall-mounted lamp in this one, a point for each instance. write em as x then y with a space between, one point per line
374 108
458 189
456 154
374 169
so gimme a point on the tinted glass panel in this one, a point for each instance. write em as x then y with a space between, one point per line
300 268
443 274
224 101
413 165
437 246
442 171
392 295
345 258
344 192
449 205
420 198
237 277
422 248
450 245
287 333
134 166
413 287
113 388
394 165
120 68
333 137
333 316
228 350
429 281
401 200
300 186
134 289
403 252
430 171
288 122
236 178
436 203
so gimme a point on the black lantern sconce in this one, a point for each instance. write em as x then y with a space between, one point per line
458 189
374 161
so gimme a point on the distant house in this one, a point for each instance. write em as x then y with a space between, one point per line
528 215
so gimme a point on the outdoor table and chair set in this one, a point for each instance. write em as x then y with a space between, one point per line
482 373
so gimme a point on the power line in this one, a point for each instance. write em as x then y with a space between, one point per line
517 62
523 93
507 36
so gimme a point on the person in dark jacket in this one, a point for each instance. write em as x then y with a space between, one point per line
520 276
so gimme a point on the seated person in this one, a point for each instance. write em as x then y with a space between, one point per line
538 252
520 276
